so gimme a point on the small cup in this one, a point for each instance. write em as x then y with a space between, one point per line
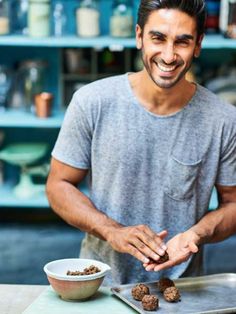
43 104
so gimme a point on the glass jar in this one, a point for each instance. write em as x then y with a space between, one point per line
19 16
39 18
228 18
87 19
4 17
31 76
5 85
231 29
121 20
59 19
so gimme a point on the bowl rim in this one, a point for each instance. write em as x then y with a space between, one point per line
105 268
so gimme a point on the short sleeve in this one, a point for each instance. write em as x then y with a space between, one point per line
73 145
227 169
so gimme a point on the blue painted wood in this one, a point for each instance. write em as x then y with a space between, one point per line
8 199
214 200
209 42
21 119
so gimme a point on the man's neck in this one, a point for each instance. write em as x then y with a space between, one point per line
161 101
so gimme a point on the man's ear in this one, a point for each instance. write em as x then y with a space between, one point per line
198 47
138 32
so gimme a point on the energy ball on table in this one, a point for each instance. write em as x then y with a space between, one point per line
164 283
150 302
171 294
139 291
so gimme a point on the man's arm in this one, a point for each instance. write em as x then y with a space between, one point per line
215 226
219 224
78 210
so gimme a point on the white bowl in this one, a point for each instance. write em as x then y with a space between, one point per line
75 287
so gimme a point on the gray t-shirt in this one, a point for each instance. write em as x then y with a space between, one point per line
146 168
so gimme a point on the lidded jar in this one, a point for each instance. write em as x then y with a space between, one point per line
121 20
31 75
39 18
59 19
88 19
19 16
4 17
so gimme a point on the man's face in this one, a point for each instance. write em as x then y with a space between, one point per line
169 43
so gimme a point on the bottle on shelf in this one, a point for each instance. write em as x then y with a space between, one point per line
5 86
121 20
19 16
1 163
4 17
39 18
88 19
213 11
228 18
30 81
59 19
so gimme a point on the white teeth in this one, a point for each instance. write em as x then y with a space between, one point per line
165 69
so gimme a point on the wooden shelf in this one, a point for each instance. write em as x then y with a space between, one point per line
67 41
210 42
21 119
8 199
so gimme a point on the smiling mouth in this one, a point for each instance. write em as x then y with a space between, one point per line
165 68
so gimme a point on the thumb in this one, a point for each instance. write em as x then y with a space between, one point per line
193 247
162 234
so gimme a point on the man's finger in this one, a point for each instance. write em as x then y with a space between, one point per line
193 247
136 253
165 265
162 234
153 240
144 249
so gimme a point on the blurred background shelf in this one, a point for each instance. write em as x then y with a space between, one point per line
62 64
210 42
15 118
8 199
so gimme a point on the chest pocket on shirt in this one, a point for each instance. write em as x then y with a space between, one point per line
181 178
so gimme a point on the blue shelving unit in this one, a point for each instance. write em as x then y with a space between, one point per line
8 199
215 41
21 119
15 48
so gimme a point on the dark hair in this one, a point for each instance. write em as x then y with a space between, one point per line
194 8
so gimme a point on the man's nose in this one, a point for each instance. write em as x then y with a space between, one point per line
168 54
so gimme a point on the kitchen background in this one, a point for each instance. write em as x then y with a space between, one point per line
48 49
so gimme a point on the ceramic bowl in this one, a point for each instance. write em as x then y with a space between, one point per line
75 287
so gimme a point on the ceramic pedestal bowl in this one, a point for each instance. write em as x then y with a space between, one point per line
24 155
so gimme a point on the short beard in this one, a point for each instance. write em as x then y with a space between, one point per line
168 84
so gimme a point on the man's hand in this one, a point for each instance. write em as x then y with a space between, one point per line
179 248
139 241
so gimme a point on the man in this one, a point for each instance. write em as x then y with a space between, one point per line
154 145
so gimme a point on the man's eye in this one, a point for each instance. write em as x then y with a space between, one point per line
156 38
183 43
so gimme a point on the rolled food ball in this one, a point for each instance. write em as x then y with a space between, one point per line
171 294
139 291
163 258
150 302
164 283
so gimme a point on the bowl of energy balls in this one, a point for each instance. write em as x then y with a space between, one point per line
76 278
